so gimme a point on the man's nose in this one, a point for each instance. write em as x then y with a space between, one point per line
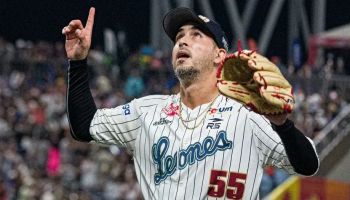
183 41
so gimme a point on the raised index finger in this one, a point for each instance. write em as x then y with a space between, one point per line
90 21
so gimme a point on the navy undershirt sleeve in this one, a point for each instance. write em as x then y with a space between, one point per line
81 107
300 151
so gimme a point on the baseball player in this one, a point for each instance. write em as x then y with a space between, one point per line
198 144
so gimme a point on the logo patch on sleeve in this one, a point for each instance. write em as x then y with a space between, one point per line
126 109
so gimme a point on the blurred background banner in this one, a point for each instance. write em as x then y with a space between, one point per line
297 188
297 54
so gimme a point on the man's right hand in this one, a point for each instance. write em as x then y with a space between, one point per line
78 38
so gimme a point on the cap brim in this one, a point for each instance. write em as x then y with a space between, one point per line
177 17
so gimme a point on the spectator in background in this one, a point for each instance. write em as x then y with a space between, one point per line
328 69
277 61
53 161
134 85
306 71
2 191
7 54
340 66
272 178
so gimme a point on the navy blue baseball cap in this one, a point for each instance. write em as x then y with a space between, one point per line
177 17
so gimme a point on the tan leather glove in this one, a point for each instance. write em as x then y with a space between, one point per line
253 80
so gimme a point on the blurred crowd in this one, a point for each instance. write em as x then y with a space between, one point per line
40 160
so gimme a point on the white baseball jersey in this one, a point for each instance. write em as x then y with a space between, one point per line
223 158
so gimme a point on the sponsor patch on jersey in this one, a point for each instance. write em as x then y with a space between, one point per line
162 121
171 110
214 123
222 110
126 109
216 120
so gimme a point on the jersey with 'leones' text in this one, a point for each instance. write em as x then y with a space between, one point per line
223 158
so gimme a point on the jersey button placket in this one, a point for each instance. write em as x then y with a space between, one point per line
185 143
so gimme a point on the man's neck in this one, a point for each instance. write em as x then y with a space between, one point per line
202 91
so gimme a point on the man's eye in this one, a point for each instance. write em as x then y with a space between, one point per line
197 34
178 37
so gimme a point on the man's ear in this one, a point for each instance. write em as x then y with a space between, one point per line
220 55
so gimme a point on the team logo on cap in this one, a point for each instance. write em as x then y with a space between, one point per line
205 19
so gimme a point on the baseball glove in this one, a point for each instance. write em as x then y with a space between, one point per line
253 80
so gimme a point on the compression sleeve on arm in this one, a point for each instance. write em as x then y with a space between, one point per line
81 107
300 151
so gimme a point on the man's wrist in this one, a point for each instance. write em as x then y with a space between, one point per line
77 60
77 63
283 127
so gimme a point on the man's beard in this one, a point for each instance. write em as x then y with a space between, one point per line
190 74
187 76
